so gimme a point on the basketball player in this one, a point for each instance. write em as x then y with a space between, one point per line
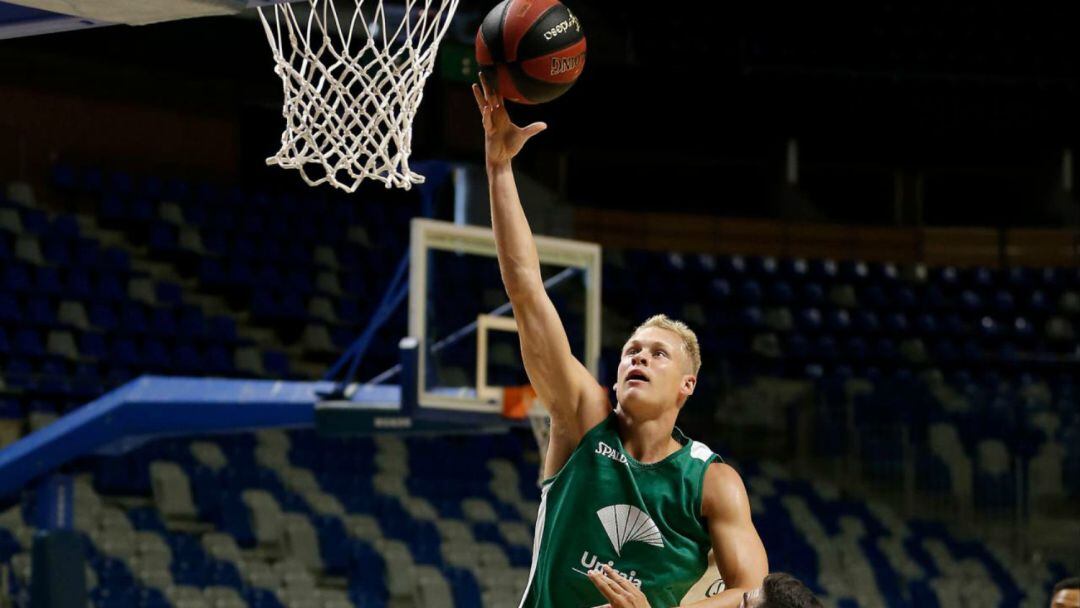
627 497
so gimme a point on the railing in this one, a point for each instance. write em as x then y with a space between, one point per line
891 460
974 246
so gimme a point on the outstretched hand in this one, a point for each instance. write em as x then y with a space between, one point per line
502 138
619 592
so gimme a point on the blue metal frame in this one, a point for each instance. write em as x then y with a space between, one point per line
392 298
154 406
435 172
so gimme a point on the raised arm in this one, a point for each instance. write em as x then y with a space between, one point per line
740 555
573 397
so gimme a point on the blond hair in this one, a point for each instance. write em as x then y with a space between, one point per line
689 338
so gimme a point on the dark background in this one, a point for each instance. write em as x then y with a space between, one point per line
913 113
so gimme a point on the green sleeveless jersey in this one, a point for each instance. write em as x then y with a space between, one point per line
604 507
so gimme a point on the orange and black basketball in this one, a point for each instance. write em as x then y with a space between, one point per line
532 51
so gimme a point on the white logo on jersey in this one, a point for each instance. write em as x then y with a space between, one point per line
605 450
591 563
628 524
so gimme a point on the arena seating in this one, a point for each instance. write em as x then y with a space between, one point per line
294 520
127 276
980 364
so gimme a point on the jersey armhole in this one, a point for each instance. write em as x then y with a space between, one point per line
715 458
577 449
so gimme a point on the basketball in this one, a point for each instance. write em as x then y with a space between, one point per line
531 51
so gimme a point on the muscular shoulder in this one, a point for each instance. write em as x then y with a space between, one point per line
724 494
590 409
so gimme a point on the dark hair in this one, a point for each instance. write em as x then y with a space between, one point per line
785 591
1073 582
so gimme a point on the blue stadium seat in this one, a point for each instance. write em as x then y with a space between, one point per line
276 364
28 343
77 285
187 360
64 226
34 221
1038 303
115 259
133 318
935 298
865 322
40 312
110 287
983 278
809 320
155 356
855 349
125 353
47 281
120 182
988 328
873 296
750 292
102 316
17 278
141 210
56 250
895 323
192 322
222 328
954 325
1023 330
163 238
781 293
64 177
112 209
168 294
1018 278
970 301
1004 302
163 323
10 310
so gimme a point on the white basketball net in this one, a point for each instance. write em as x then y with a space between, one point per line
352 84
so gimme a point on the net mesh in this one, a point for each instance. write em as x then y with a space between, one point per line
353 76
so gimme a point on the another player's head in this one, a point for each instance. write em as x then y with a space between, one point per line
780 590
1066 594
658 368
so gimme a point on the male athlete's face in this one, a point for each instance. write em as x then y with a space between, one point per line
654 372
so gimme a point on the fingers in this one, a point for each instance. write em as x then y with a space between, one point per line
480 101
485 109
606 586
490 93
621 581
533 129
484 85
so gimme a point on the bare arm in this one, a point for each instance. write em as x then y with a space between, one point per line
740 556
572 396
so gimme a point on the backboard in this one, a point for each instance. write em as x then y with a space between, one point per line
459 313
